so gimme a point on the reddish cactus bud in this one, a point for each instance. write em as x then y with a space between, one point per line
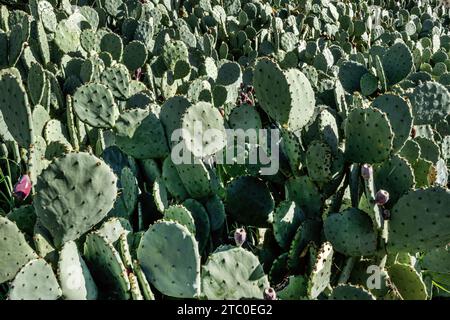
366 171
240 236
381 197
270 294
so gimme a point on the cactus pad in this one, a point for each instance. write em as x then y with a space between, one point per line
368 135
35 281
249 201
168 255
233 273
420 221
74 276
351 232
94 104
15 252
60 201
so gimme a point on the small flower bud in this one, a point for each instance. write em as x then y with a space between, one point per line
240 236
270 294
366 171
381 197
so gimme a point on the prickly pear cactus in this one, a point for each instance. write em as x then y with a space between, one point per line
61 202
277 150
168 244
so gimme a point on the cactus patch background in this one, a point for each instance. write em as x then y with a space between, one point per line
347 101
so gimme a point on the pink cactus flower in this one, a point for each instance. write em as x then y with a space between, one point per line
22 188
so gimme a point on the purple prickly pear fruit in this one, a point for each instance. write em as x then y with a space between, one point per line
381 197
366 171
240 236
386 214
22 188
270 294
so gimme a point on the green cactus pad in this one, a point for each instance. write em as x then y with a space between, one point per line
309 231
17 37
318 161
128 190
350 74
229 77
286 96
196 178
47 15
368 271
279 269
408 282
36 83
286 219
292 147
351 233
112 43
15 111
74 276
381 75
296 289
233 273
350 292
430 102
216 212
181 215
24 217
410 151
14 250
397 63
35 281
67 36
134 55
171 113
56 131
201 220
399 114
117 79
172 180
168 255
60 200
368 135
368 84
106 266
140 134
89 40
174 51
196 122
321 271
43 244
394 175
420 221
160 195
423 171
143 283
249 201
113 228
429 150
437 260
245 117
305 193
199 90
94 104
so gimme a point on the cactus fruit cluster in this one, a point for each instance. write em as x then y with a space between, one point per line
93 204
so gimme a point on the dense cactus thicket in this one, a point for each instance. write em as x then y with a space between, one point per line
94 203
